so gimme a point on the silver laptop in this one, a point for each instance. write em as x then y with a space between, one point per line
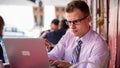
26 52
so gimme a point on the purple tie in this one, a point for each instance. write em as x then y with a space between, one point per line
76 53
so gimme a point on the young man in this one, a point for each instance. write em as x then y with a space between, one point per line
80 43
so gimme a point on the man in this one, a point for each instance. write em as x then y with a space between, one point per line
53 37
1 39
53 26
92 48
56 35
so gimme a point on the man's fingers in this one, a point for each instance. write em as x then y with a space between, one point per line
55 63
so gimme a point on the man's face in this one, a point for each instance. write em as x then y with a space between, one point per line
53 27
78 23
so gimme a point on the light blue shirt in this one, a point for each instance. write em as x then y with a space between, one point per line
1 38
4 50
93 49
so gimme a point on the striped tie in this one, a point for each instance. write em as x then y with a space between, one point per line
76 53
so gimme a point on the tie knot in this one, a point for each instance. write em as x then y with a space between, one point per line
80 42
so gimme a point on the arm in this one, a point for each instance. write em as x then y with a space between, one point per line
57 54
59 63
43 34
99 55
58 51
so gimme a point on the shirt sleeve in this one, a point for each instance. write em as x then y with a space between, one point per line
99 56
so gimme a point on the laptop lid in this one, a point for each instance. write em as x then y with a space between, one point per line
26 52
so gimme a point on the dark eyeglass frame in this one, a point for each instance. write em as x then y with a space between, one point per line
76 21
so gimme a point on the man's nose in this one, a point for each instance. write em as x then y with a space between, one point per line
72 26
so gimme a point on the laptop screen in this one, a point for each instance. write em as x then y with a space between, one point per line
26 52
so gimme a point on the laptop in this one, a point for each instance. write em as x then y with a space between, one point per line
26 52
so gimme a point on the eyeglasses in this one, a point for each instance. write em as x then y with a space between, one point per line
76 21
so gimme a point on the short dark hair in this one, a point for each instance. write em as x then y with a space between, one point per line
77 4
55 21
2 23
63 24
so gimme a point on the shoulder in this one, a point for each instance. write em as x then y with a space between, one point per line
69 33
97 40
94 38
68 36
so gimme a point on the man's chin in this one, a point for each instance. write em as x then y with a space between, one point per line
75 35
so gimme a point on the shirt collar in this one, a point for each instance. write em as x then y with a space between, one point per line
85 38
78 39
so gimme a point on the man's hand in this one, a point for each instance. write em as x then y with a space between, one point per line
48 44
59 63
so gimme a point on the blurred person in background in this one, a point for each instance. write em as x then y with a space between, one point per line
53 26
1 39
53 37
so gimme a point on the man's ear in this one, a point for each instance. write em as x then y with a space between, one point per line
89 18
